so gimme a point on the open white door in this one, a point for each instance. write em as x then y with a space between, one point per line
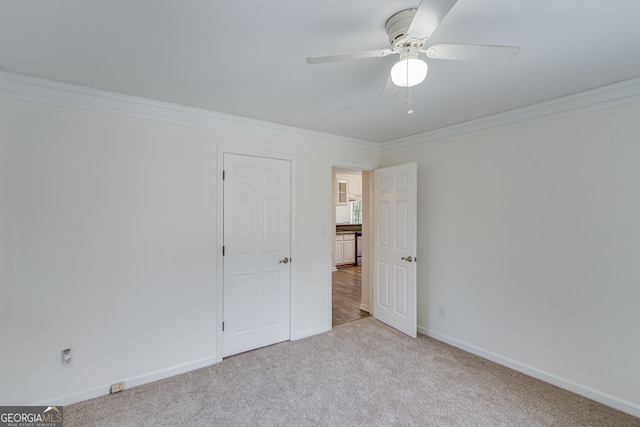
394 247
257 272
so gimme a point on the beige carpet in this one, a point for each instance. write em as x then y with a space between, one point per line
363 373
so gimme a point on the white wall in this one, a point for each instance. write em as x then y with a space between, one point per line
530 239
528 236
343 214
112 246
4 275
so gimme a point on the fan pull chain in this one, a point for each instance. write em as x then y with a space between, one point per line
408 100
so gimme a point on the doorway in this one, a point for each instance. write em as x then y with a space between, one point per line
389 217
350 278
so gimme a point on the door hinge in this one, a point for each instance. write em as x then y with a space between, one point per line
223 174
223 251
222 326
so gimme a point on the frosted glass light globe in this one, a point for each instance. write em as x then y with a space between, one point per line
417 72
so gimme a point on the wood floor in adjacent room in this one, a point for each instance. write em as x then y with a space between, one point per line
347 294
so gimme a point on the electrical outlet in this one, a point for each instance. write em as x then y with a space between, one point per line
442 312
117 387
67 360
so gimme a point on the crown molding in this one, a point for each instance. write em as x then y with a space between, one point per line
604 97
28 88
34 89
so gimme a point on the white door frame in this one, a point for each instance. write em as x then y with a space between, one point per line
222 150
331 227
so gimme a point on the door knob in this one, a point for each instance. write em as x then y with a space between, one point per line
408 258
284 260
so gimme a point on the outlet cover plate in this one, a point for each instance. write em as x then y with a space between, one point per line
442 312
117 387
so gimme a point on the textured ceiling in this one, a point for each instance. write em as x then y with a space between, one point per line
248 58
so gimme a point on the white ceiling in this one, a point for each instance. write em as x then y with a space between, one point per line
248 58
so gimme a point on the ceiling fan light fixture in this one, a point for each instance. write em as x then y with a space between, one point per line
409 72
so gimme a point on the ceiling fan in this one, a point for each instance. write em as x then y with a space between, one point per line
408 32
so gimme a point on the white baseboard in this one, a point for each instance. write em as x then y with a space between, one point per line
129 383
150 377
366 308
598 396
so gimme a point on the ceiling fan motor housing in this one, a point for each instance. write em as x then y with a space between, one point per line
397 27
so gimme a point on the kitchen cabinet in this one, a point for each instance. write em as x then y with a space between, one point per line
349 188
343 196
337 253
354 187
345 252
349 249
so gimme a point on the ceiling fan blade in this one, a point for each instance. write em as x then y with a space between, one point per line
428 16
390 90
344 56
472 52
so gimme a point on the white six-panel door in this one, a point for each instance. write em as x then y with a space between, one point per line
256 226
394 247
